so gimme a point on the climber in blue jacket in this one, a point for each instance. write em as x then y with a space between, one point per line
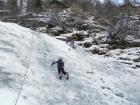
60 67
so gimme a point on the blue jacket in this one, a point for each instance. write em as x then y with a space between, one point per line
60 63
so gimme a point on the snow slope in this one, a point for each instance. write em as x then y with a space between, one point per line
94 80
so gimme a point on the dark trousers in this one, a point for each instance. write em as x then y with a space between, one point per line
61 71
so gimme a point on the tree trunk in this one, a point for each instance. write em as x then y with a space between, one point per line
23 6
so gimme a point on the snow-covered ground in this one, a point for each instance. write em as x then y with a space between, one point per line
94 80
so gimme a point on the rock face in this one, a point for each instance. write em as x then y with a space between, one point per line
87 44
78 37
89 31
3 13
100 49
56 31
136 59
133 43
30 20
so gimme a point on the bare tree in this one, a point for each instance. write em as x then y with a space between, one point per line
2 4
22 6
12 7
34 5
127 2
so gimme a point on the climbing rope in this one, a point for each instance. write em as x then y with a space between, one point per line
27 68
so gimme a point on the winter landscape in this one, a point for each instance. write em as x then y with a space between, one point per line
98 42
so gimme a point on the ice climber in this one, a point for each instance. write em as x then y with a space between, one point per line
60 67
69 40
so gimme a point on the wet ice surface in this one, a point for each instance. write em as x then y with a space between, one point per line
94 80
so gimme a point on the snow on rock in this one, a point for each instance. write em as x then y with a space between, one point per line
129 56
87 43
94 80
100 49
